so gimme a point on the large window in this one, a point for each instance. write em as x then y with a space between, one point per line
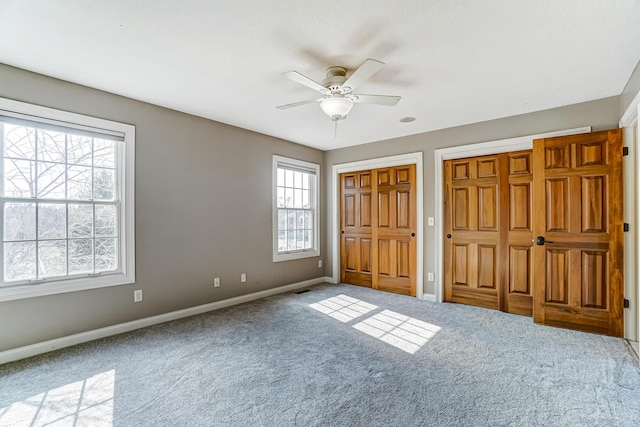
67 201
295 214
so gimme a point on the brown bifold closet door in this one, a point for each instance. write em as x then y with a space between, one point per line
378 224
356 228
472 260
488 231
578 254
518 230
394 230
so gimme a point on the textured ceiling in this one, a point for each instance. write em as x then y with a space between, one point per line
453 61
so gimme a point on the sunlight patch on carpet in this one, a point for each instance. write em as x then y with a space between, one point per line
86 402
404 332
343 307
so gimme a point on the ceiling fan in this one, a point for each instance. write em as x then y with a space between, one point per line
337 90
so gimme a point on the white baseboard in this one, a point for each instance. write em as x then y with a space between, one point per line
58 343
429 297
332 280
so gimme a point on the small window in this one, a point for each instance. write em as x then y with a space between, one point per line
67 201
295 212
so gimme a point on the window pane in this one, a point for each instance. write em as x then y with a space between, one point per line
308 219
282 219
20 260
281 197
291 219
19 141
297 179
305 181
300 239
51 146
305 199
104 153
80 220
280 178
297 197
51 179
291 240
19 221
308 239
106 254
288 181
288 200
282 240
103 184
80 256
106 222
79 182
52 258
19 178
79 149
52 221
299 220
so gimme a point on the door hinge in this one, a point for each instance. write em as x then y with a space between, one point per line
625 151
626 303
626 227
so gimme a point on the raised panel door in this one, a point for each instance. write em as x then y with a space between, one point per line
578 265
356 251
395 230
472 230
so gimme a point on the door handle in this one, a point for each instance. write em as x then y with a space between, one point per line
342 232
540 241
413 234
448 236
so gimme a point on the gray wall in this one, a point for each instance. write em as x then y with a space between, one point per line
630 90
203 209
601 114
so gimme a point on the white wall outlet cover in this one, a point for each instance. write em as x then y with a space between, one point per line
430 221
216 282
430 277
243 277
137 295
319 263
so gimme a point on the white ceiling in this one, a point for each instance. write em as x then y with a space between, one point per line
453 61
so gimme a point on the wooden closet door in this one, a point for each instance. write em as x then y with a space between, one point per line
356 246
517 227
472 230
578 204
394 230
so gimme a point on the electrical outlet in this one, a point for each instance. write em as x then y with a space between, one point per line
137 295
319 263
216 282
243 277
430 277
430 221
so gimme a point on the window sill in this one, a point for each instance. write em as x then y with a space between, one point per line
295 255
63 286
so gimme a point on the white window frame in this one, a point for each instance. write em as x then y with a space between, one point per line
315 196
125 174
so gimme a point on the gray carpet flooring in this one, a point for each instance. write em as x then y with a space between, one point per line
338 355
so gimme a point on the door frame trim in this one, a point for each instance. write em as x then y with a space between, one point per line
474 150
382 162
630 119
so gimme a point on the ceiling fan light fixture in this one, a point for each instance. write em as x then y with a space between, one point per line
336 107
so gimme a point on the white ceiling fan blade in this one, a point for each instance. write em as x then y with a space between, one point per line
387 100
304 80
297 104
366 70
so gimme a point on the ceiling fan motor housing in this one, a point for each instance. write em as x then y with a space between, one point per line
336 76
